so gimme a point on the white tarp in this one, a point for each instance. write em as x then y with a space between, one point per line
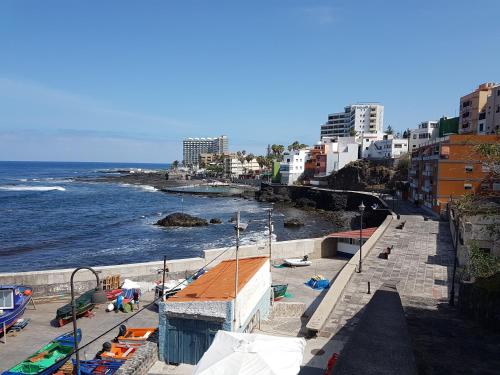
234 353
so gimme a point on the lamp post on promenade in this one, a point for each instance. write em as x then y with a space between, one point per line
361 208
98 297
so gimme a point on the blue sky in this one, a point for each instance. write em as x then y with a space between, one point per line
126 81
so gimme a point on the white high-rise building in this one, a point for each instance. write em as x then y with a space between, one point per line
356 120
193 147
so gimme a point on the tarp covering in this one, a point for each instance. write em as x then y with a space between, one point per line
233 353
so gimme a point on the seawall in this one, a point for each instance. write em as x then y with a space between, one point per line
57 282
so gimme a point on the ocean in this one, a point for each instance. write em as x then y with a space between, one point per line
51 218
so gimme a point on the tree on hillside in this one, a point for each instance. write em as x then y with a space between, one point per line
278 151
406 134
389 130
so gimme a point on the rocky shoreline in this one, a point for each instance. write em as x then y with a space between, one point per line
329 207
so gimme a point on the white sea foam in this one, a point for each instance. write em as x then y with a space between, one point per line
31 188
142 187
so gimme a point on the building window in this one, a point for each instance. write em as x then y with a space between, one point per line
498 109
414 137
468 186
481 127
469 168
482 116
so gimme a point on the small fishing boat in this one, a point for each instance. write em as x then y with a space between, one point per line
136 336
296 262
83 306
279 291
99 366
119 352
48 359
13 302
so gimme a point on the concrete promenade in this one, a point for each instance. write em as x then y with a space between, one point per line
420 264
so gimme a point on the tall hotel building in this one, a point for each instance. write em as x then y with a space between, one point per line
193 147
359 118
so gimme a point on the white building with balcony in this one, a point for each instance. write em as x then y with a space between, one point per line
426 131
292 166
340 151
387 148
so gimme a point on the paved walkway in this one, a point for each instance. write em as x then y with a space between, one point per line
420 263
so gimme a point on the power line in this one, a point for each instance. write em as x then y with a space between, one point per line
139 311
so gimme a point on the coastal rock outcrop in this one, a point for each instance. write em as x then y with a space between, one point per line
215 220
293 223
178 219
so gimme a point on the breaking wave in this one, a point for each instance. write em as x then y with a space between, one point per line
32 188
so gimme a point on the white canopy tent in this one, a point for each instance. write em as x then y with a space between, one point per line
234 353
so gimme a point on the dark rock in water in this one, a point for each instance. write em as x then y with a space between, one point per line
215 220
293 223
305 203
181 220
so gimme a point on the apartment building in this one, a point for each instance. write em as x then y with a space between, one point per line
331 154
473 108
387 148
425 132
293 166
449 167
193 147
491 123
355 119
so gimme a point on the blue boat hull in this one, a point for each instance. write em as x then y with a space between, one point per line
9 318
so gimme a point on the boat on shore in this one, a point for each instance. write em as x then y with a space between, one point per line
136 336
296 262
99 366
119 352
84 304
48 359
13 302
279 291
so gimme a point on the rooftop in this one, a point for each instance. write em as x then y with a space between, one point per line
365 233
218 283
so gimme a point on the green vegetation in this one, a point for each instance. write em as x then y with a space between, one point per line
481 264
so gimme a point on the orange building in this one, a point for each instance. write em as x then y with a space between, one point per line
316 163
448 168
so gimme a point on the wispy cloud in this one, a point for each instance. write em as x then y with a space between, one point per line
27 105
321 14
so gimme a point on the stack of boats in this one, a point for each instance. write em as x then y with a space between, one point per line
55 357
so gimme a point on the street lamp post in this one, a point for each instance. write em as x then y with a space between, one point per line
98 297
361 208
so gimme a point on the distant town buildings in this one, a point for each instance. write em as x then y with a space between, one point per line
193 147
356 119
387 148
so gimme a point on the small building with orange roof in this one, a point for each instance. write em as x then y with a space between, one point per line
190 319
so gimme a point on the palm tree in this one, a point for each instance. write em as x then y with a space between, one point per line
175 164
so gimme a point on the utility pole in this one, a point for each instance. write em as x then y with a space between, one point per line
236 273
270 223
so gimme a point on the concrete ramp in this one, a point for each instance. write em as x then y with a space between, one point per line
380 343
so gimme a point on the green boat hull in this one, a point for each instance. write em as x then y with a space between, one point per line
40 363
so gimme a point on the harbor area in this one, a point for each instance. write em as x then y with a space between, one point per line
288 318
